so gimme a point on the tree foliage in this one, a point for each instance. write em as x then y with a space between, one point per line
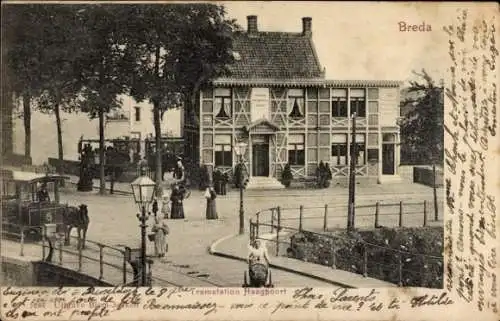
104 65
20 67
177 48
44 45
83 57
422 136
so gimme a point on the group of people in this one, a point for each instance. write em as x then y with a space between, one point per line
176 209
220 182
323 175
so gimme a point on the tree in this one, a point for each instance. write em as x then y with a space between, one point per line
45 52
62 48
422 126
21 48
104 67
178 48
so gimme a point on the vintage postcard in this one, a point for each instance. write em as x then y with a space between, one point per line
247 160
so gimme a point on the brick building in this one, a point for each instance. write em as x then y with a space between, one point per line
277 100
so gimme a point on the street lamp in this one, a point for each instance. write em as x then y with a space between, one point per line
143 189
240 151
351 209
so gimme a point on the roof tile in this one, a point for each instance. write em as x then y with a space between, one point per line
277 55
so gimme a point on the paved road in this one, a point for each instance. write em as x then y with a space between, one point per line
113 222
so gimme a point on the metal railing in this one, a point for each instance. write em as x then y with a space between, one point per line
108 259
277 225
115 257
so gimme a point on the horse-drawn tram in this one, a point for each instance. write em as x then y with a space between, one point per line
29 201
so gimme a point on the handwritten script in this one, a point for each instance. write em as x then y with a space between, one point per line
95 303
470 131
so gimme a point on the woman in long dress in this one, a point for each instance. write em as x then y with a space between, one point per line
161 230
177 210
210 195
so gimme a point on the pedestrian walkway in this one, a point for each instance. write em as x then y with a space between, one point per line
393 188
113 222
174 270
236 247
112 268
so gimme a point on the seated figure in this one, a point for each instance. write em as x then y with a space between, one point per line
258 264
43 194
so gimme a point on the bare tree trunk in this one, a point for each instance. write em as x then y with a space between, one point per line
60 151
157 125
27 124
102 182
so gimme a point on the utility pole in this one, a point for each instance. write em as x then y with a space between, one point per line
352 177
242 211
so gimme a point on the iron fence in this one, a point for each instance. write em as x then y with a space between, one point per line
274 224
108 258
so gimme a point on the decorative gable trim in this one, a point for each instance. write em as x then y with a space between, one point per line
262 126
301 82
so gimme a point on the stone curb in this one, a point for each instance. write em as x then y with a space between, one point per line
213 251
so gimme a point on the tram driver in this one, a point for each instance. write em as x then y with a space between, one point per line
43 193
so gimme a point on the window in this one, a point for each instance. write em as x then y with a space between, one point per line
358 104
339 149
137 112
373 155
223 103
296 153
296 103
339 103
360 149
223 150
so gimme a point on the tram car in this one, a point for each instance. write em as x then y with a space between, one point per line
29 201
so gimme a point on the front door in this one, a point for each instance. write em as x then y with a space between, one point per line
388 159
260 159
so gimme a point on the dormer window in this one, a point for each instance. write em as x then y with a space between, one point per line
296 103
223 103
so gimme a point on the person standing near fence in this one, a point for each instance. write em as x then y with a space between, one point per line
211 212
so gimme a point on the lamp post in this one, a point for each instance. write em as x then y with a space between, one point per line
143 189
352 178
240 151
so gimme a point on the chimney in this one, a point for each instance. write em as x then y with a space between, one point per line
307 26
252 25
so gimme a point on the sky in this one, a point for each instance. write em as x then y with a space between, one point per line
362 40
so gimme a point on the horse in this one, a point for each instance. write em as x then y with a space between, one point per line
78 218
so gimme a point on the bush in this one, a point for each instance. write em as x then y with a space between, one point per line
417 270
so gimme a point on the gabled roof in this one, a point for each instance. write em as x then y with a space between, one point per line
275 55
264 123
